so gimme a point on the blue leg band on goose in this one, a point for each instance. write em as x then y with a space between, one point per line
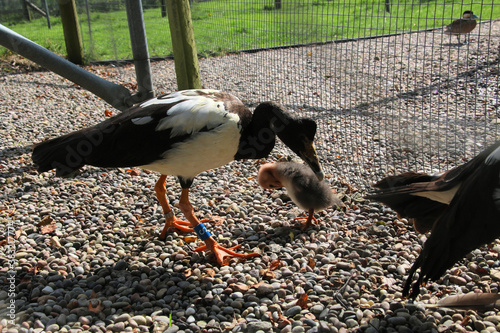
202 231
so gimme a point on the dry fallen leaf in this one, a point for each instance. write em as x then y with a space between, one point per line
130 85
47 225
302 301
270 315
311 263
276 263
190 239
54 242
34 270
283 318
210 272
257 285
267 275
479 270
17 233
465 321
134 172
6 241
239 287
96 309
217 220
234 323
73 304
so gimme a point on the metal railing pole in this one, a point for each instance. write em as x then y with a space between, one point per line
139 49
116 95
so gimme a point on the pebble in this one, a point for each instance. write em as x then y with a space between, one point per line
84 320
294 310
317 308
117 327
259 326
52 328
47 290
140 320
395 321
264 289
493 319
122 317
172 329
120 265
79 270
458 280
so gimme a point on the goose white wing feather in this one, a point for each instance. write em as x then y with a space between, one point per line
493 158
191 112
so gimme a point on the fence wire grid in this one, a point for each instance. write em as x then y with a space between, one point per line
390 91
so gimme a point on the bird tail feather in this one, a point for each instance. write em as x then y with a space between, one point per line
66 154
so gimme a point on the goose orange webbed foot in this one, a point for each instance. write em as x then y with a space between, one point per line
175 224
222 254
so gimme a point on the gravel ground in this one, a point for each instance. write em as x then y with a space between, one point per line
97 265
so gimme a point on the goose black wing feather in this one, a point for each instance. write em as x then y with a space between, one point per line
115 142
471 220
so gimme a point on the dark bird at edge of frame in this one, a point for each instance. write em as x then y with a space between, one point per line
302 185
460 208
462 26
182 134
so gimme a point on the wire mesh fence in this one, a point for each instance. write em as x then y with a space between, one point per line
389 89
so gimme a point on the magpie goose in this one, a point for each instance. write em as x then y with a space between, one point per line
460 208
182 134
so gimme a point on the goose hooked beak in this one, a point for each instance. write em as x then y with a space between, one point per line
310 156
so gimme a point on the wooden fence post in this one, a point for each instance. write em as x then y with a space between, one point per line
26 11
183 44
163 5
71 27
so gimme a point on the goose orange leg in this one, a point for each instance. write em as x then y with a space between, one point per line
171 222
222 254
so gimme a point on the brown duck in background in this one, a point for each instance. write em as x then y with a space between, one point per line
461 208
462 26
302 185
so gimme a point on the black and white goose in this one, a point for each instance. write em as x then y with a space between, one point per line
302 185
182 134
460 207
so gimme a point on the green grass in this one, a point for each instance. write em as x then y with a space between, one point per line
232 25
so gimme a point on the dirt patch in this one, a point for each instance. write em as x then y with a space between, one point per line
15 64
